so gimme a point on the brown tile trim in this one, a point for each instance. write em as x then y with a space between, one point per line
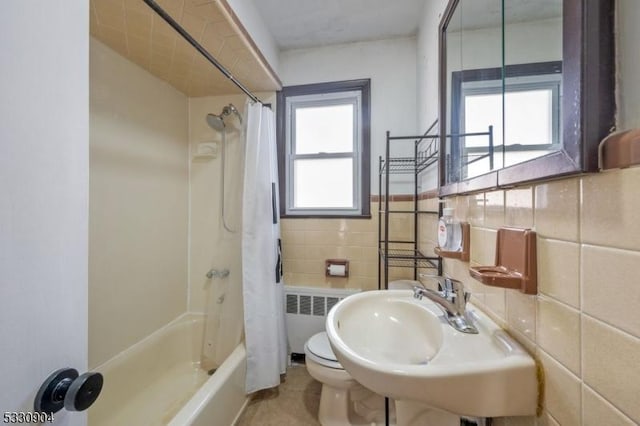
397 197
253 48
427 195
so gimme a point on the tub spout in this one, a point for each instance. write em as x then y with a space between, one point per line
215 273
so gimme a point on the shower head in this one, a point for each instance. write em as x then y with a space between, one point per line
231 109
216 122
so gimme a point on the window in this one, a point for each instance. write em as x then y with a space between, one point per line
323 147
532 106
531 114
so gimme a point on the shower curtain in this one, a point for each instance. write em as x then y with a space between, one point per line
263 289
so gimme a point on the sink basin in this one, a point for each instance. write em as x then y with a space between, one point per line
404 348
389 331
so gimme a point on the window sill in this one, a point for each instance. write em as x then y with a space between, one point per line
325 216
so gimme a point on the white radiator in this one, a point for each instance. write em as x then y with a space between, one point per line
306 312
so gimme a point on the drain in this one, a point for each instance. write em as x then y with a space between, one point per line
210 372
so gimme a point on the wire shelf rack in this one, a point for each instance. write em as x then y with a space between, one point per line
408 258
408 165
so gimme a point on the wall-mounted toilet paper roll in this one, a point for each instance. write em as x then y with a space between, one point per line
337 270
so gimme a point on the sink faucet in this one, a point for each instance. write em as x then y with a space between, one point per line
452 299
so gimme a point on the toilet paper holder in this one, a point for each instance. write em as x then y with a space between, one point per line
336 268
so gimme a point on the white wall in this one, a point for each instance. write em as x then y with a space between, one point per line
257 29
525 42
391 66
427 62
138 204
44 148
427 75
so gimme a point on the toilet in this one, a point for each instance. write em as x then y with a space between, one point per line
343 402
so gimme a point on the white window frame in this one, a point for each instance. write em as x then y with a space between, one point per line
352 97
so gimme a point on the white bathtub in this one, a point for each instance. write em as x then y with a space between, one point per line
159 382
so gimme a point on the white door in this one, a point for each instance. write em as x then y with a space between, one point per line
44 141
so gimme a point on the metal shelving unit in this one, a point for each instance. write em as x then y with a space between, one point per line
408 258
404 253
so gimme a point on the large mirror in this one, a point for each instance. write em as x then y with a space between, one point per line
526 90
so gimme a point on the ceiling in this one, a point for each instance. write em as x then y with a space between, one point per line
134 31
478 14
310 23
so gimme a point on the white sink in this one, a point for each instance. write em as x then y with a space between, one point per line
403 348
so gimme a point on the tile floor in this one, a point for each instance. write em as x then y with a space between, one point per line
294 403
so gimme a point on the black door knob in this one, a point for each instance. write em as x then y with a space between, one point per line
65 389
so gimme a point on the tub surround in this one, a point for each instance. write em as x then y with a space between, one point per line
144 179
138 203
154 223
209 245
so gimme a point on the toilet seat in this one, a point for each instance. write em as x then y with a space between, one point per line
319 350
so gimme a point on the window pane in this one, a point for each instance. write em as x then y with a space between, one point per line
324 129
325 183
480 112
529 117
515 157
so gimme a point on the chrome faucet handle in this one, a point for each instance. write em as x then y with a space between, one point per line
437 278
453 285
457 294
449 286
445 284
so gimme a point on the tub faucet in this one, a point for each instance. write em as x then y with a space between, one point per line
452 299
214 273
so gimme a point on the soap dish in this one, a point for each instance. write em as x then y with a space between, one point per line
463 254
516 265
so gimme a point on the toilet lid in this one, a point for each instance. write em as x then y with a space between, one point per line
319 350
319 345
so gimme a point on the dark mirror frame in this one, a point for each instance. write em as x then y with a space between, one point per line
588 99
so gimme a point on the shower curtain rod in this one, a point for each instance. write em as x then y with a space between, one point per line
169 20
